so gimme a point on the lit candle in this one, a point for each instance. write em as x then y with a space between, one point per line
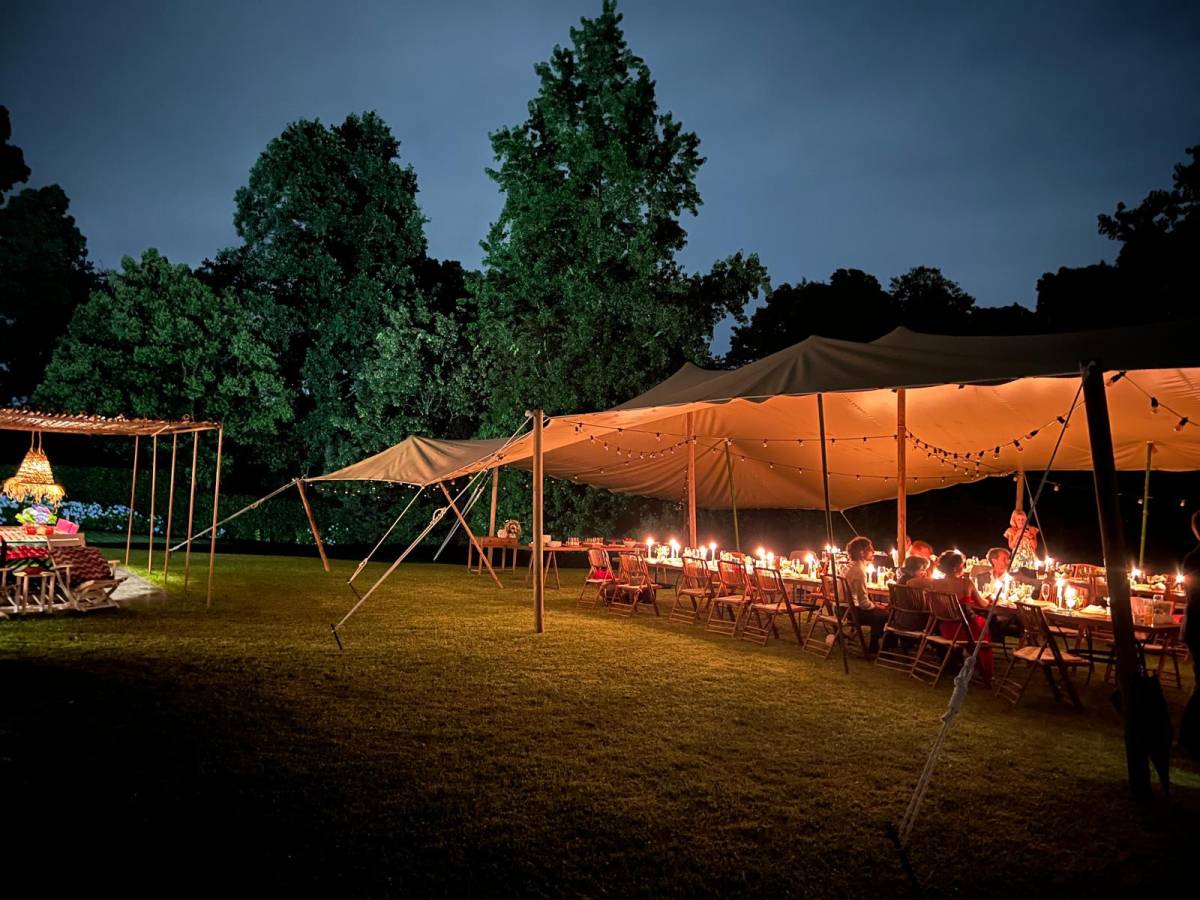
1135 574
770 560
760 553
1058 590
937 574
674 548
649 545
1072 597
811 561
895 558
1049 564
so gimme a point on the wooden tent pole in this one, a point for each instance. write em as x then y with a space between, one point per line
170 508
691 480
312 523
539 574
1145 505
153 491
829 532
1019 504
901 476
492 512
212 540
1112 540
132 495
737 538
187 551
470 534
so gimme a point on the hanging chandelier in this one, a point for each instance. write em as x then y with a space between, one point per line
34 481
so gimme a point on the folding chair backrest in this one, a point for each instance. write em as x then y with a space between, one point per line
732 576
770 584
625 563
1035 629
909 609
695 573
598 560
945 608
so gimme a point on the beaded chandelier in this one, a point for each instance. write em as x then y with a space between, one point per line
34 481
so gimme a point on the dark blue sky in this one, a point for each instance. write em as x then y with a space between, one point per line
981 138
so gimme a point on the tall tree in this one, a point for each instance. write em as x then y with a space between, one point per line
582 302
332 231
44 272
851 306
926 300
161 343
1157 272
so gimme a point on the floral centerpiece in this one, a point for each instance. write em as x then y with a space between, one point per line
37 519
510 529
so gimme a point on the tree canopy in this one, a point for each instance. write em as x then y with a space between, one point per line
582 301
159 342
44 271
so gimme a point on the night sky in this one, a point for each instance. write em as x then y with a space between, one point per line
981 138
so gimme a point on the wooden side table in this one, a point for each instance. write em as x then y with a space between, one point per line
41 597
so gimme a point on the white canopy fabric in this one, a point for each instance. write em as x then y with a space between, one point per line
976 407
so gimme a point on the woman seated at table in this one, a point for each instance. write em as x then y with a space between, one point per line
861 552
951 565
914 567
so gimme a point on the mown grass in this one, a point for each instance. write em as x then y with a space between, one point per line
450 751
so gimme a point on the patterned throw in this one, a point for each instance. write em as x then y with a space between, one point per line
87 563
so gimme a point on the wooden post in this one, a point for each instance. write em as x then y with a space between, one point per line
470 535
901 476
170 507
492 512
212 540
539 574
312 523
1020 501
1112 540
737 538
1145 505
132 495
691 480
153 491
829 531
187 548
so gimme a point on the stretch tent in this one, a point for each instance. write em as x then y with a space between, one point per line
972 407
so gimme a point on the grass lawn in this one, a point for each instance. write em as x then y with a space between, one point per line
450 751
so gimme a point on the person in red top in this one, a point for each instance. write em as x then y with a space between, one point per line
951 565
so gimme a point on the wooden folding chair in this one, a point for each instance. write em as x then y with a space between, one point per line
768 600
599 574
946 614
85 579
1039 650
633 587
693 592
730 600
908 623
837 620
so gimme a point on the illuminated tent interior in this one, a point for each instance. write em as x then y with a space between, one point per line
973 407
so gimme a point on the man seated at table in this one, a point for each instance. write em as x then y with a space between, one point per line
923 549
861 552
990 583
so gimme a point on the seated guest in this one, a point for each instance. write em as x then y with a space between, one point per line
1004 622
914 567
861 552
922 549
951 564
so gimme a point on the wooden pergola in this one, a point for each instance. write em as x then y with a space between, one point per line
119 426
